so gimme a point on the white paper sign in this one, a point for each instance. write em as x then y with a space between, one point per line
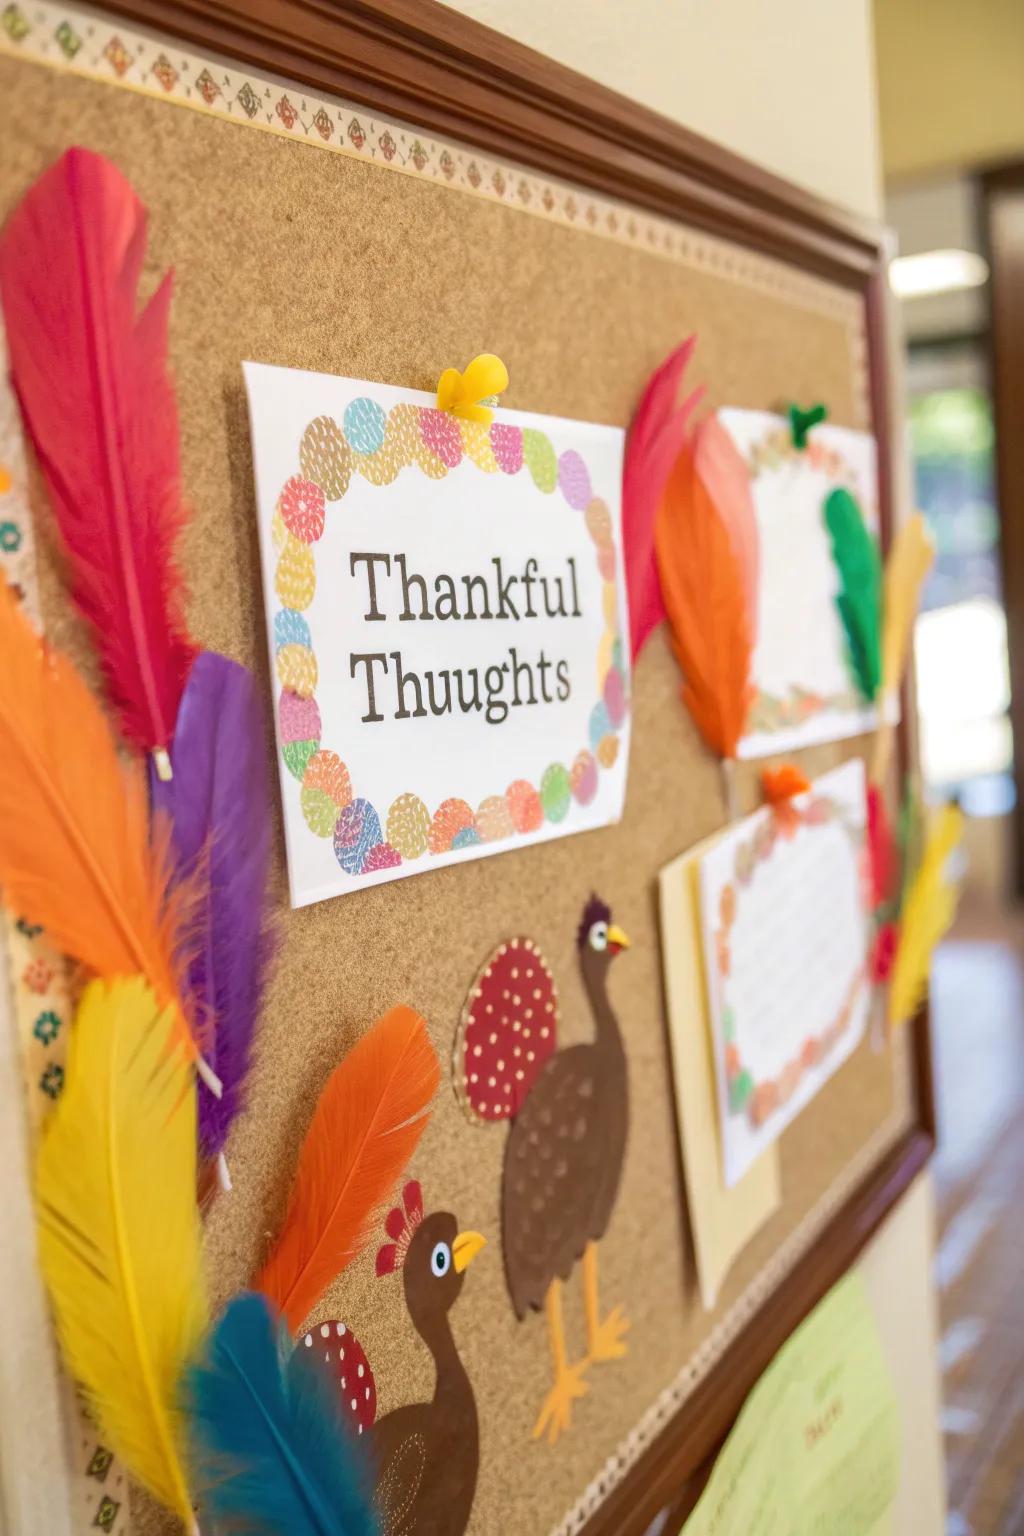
445 609
804 689
785 943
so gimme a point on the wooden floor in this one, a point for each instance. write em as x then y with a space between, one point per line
978 1019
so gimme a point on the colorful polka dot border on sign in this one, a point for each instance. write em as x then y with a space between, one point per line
378 445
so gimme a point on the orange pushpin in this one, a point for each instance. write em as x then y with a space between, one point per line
782 783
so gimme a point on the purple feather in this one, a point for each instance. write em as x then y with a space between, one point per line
218 803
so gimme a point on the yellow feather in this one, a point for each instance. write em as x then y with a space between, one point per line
119 1234
463 393
928 910
910 560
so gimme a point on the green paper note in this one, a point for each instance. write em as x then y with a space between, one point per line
816 1448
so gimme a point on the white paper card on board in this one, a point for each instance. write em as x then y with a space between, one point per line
445 607
804 689
785 946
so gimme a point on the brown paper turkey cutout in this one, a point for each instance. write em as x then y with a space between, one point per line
569 1116
425 1455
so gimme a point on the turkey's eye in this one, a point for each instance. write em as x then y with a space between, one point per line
598 936
440 1259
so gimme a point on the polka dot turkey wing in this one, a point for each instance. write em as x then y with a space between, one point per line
345 1360
508 1031
400 1457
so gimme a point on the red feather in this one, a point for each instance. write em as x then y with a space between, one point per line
656 434
367 1125
91 376
883 862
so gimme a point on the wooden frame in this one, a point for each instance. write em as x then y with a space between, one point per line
1002 207
419 61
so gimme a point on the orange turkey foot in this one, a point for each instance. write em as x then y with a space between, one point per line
607 1342
556 1414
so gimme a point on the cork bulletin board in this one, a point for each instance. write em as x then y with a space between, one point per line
327 252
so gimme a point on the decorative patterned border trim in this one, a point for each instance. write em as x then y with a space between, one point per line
38 974
41 994
776 448
772 712
72 38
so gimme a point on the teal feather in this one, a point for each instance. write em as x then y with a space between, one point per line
859 600
272 1453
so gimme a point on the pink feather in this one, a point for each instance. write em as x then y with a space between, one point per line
656 435
91 376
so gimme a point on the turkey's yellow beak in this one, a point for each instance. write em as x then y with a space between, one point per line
465 1249
617 940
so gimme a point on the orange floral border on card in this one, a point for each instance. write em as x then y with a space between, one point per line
761 1099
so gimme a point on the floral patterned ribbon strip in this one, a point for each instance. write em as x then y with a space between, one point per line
41 983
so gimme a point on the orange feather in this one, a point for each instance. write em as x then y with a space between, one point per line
366 1127
75 854
705 586
723 471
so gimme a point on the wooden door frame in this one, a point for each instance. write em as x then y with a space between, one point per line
421 62
1002 219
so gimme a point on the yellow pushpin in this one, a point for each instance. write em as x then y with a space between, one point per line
474 393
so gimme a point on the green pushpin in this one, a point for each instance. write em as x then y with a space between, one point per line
801 422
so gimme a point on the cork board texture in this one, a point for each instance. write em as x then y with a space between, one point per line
288 255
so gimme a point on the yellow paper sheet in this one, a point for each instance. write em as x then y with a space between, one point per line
722 1220
815 1451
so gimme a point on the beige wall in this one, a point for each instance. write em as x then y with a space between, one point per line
951 83
897 1272
788 83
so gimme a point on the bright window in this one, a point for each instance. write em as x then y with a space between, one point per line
960 641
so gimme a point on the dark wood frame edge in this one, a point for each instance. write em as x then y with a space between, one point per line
1006 380
684 1460
672 1473
427 65
418 61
